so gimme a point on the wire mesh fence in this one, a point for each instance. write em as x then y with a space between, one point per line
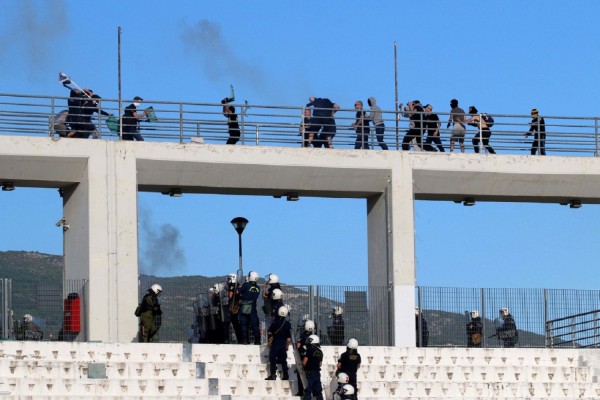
42 310
46 310
268 125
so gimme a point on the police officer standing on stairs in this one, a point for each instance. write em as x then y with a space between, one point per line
151 315
234 307
312 361
249 293
349 362
279 338
271 283
309 329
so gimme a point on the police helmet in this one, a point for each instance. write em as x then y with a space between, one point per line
283 311
252 276
218 287
313 339
27 318
277 294
343 378
348 389
338 310
352 344
504 311
231 278
156 288
272 278
309 326
474 314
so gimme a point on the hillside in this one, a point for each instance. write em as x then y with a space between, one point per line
37 290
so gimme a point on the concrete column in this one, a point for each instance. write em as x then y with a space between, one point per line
101 243
403 257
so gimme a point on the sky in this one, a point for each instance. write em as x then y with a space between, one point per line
504 56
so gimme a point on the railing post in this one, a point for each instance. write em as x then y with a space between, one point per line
596 135
243 127
257 133
180 122
480 144
419 319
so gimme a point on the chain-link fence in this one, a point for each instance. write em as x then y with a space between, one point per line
543 317
42 310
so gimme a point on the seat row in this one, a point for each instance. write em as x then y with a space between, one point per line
143 387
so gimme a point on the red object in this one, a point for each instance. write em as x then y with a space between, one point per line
72 314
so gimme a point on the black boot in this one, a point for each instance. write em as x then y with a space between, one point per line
271 377
285 376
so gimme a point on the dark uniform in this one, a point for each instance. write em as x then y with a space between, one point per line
248 316
312 365
507 331
474 332
300 345
234 312
349 362
336 330
151 318
281 331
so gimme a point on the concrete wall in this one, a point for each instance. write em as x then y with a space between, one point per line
101 180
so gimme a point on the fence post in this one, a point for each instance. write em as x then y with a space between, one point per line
180 122
257 133
547 341
420 316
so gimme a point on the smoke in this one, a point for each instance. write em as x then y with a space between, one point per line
161 249
218 60
34 32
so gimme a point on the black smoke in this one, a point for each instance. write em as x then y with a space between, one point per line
160 247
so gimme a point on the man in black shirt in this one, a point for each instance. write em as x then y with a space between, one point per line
538 127
349 362
311 362
432 125
131 120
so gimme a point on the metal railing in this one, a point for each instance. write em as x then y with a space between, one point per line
575 331
544 317
265 125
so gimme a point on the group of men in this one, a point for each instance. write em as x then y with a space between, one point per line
76 121
318 125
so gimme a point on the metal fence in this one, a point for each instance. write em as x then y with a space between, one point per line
544 317
42 310
266 125
444 310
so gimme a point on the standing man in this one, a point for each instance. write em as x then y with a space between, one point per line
271 283
474 330
538 127
131 120
322 121
249 293
312 361
361 125
349 363
233 126
234 307
506 329
457 119
432 125
416 126
376 116
150 317
308 329
279 336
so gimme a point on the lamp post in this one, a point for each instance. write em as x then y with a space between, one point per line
239 224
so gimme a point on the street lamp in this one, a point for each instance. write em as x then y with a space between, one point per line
239 224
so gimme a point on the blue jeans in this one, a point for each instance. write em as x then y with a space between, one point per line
314 386
247 321
379 132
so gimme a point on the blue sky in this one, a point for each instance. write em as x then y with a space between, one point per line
506 57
